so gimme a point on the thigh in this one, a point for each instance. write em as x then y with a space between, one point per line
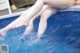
48 12
61 4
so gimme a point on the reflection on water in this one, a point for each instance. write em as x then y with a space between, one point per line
61 36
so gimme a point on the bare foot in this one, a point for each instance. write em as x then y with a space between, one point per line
29 28
3 32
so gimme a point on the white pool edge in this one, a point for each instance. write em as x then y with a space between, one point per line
10 15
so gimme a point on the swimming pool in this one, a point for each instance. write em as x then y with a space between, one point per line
62 35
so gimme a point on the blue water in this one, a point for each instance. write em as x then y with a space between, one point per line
62 35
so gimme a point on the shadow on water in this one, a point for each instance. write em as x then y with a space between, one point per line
61 36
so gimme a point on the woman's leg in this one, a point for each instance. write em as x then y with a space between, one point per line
43 21
30 27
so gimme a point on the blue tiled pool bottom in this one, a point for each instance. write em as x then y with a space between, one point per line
62 35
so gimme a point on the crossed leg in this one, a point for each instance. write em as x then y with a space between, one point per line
31 26
45 13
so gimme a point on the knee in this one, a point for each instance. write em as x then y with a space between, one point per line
43 17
